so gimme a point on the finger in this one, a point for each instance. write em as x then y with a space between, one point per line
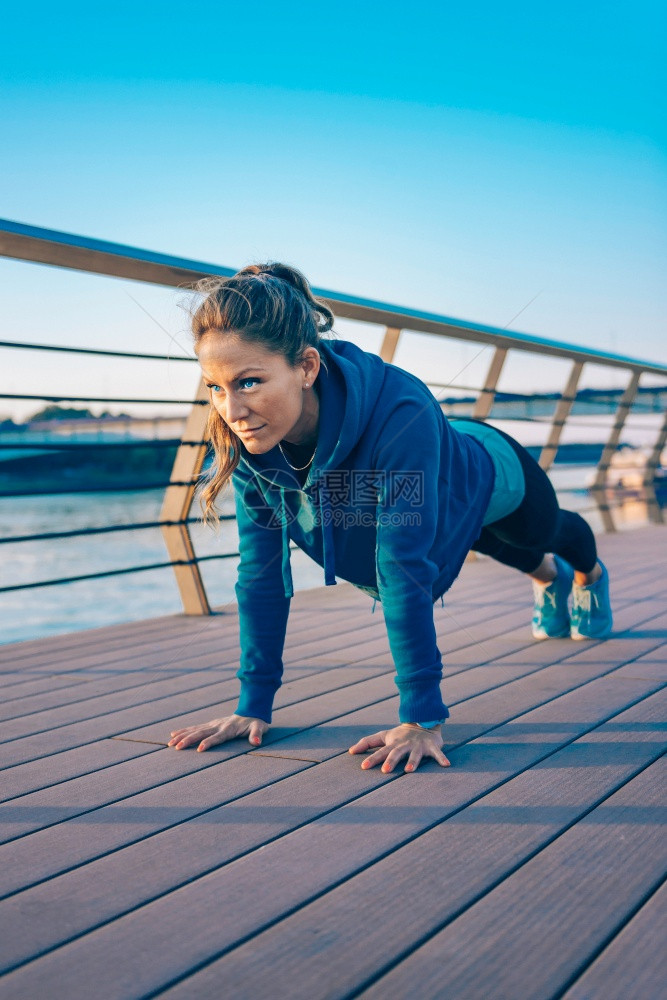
183 742
213 739
375 758
255 735
368 742
395 755
414 760
180 733
197 731
441 759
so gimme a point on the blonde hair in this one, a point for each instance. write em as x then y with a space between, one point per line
269 304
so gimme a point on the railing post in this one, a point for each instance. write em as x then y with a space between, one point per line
653 508
598 489
177 503
484 401
561 413
390 343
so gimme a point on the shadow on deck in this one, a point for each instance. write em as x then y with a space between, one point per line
529 869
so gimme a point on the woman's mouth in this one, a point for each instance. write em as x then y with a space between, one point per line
250 431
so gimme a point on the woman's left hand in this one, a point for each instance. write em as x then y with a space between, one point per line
407 740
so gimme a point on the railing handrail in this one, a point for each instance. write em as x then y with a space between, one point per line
66 250
58 249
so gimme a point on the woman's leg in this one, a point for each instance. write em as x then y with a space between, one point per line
539 526
553 546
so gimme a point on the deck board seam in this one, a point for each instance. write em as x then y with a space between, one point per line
489 585
387 853
595 954
378 701
319 816
491 886
199 687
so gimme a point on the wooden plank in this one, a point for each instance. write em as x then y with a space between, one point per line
125 636
130 816
23 687
108 694
92 657
380 916
177 709
154 719
129 634
211 634
309 860
45 771
86 699
33 812
479 697
122 640
575 892
300 706
122 635
634 963
36 812
197 683
53 805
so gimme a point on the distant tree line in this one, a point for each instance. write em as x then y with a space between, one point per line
55 412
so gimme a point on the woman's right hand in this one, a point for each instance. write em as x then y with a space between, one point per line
219 731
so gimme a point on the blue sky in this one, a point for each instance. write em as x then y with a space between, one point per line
456 160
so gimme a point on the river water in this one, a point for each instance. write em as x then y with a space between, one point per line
42 611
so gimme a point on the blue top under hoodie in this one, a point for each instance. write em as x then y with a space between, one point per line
393 501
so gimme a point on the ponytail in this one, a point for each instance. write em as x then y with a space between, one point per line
269 304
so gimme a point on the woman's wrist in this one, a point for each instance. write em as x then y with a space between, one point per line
427 725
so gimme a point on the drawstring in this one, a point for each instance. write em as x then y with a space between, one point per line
286 567
375 600
328 551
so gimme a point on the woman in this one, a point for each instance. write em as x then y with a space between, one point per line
354 461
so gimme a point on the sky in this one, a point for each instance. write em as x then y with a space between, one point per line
478 162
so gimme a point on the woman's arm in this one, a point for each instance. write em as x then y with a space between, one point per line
407 514
408 461
263 612
262 604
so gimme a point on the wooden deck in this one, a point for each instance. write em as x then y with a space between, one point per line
529 869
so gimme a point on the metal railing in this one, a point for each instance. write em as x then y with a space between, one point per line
21 242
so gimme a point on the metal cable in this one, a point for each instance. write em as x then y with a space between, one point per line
100 445
114 488
115 572
90 350
132 526
104 399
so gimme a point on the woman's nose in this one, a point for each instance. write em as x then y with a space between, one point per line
235 409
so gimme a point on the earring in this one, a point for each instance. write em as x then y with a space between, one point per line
306 385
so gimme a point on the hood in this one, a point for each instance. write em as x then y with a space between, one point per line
348 384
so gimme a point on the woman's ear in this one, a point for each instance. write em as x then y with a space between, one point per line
310 365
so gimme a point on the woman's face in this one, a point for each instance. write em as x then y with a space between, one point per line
257 392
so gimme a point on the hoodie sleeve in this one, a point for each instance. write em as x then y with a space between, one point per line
260 593
408 463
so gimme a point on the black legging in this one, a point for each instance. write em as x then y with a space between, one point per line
537 526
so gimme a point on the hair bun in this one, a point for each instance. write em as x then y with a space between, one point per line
291 276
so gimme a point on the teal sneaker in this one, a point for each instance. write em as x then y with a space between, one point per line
591 610
551 619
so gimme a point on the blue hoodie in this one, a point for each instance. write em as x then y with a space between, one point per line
393 501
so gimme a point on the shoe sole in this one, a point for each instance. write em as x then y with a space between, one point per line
545 635
578 635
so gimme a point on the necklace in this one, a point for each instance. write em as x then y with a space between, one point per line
296 468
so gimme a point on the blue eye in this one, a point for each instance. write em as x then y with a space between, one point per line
213 387
243 381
